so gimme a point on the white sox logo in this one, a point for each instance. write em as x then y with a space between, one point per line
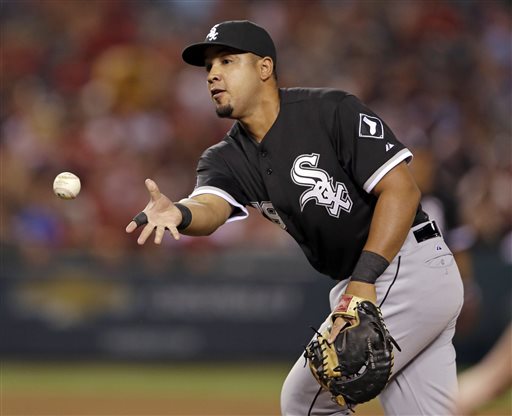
320 185
212 35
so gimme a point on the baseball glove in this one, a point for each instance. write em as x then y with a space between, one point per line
356 367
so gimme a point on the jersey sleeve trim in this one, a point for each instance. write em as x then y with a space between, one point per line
238 214
385 168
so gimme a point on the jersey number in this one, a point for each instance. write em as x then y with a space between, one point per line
268 211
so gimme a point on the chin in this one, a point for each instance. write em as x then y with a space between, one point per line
224 111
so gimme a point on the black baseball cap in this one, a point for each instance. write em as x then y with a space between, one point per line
242 35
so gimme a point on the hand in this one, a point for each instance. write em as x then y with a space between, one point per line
161 214
359 289
362 290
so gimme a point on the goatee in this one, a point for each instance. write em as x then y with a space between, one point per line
224 111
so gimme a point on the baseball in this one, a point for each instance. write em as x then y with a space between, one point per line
66 185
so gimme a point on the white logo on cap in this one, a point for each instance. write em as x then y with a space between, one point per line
213 33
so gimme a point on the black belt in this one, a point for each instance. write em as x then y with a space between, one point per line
427 232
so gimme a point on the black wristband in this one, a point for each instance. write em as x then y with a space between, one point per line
186 216
369 267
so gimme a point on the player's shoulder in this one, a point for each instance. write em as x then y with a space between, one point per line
313 95
217 149
226 145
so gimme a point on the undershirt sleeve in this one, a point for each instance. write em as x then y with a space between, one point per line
368 146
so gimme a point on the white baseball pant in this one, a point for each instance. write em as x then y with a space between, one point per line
421 296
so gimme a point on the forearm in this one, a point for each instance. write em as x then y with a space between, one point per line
200 215
206 216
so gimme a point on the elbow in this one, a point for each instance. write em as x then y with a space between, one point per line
407 193
214 225
200 230
412 194
209 232
415 193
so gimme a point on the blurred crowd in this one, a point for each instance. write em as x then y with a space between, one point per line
98 88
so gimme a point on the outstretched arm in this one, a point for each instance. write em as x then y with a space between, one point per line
208 211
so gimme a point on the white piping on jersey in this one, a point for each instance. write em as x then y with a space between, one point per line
237 216
385 168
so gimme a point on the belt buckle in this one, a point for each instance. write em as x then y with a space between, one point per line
427 232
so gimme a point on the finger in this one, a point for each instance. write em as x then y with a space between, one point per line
131 227
146 232
153 190
333 337
140 219
333 334
174 232
338 325
159 234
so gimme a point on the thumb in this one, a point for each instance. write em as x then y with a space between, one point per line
339 325
152 188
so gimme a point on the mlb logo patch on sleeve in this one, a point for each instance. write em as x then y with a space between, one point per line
370 127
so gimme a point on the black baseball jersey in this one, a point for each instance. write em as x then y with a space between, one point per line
312 174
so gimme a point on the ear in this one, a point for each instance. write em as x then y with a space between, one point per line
266 66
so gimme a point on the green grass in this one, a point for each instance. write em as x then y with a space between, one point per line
501 406
142 378
213 382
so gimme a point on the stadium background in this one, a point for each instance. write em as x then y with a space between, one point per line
93 324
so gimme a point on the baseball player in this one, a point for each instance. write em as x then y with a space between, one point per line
327 170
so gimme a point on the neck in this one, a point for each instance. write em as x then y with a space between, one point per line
265 113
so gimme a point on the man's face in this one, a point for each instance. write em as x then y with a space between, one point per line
232 80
